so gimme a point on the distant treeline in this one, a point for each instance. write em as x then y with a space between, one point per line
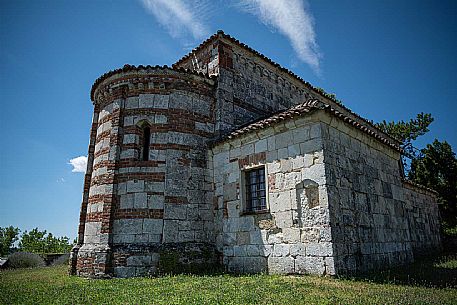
35 241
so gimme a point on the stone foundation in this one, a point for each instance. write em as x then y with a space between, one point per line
92 261
145 260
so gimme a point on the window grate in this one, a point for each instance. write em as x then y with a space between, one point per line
255 190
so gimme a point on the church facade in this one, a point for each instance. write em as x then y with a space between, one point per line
228 159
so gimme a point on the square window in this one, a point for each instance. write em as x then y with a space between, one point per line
255 190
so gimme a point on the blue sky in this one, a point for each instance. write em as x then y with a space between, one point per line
384 59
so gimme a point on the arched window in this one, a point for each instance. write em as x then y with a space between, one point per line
146 142
143 132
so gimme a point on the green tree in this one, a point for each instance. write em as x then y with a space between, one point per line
436 168
33 241
407 132
8 236
58 244
37 241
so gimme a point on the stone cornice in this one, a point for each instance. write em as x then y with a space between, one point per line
145 71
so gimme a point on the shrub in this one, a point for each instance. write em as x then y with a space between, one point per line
25 260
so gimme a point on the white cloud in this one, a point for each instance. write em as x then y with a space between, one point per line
79 164
292 19
179 16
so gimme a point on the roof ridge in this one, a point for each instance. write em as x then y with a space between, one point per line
307 107
222 34
128 68
418 185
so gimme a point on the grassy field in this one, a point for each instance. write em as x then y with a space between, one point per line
426 282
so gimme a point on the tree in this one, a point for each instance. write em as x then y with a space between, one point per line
407 132
33 241
8 236
37 241
436 168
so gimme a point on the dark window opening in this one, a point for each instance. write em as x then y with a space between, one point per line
255 190
146 142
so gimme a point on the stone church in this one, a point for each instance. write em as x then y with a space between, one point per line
228 159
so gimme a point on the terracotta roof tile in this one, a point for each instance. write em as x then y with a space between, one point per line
305 108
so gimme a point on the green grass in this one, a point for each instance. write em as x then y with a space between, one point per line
438 272
411 285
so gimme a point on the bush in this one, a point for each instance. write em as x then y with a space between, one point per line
25 260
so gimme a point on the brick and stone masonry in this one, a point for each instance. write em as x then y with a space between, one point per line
169 148
132 206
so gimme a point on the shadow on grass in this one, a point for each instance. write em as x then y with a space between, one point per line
437 271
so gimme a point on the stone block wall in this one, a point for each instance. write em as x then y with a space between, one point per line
248 87
137 207
336 201
294 234
85 201
421 209
251 89
376 222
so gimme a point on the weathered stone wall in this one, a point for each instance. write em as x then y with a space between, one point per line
135 207
423 215
85 200
366 216
248 88
251 86
294 235
94 256
375 221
